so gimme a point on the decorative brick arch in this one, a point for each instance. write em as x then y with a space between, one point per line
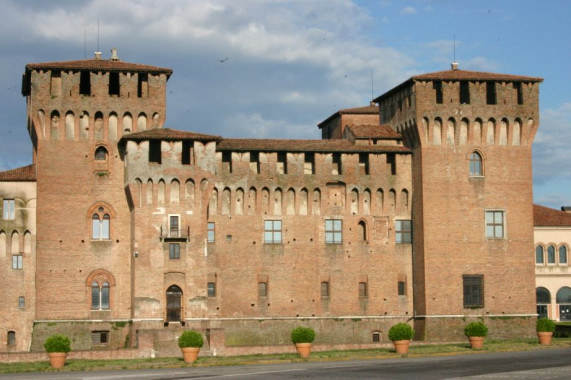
100 275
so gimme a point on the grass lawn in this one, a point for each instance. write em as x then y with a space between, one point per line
381 353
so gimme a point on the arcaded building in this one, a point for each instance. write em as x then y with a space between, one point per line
415 208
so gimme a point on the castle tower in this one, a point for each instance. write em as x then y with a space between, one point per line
471 135
77 112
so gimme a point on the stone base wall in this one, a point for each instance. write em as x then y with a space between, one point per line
451 329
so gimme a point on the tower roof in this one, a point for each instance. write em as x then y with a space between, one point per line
167 134
371 109
99 65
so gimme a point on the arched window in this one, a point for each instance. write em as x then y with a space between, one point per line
101 154
99 295
563 255
100 215
542 299
174 304
11 338
551 254
564 303
362 231
100 282
539 255
476 165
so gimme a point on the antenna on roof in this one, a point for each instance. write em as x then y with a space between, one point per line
454 63
98 34
372 86
84 43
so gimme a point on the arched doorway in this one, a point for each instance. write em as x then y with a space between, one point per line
174 304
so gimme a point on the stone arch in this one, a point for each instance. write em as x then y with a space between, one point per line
84 126
54 125
354 202
503 137
112 126
290 202
3 244
150 192
15 243
69 125
189 189
450 131
477 132
252 198
265 205
42 121
303 201
98 133
424 125
392 201
239 202
516 133
278 197
161 192
141 122
127 123
437 132
213 203
404 200
156 120
367 202
174 192
490 131
139 192
463 135
379 201
362 230
316 201
27 242
226 199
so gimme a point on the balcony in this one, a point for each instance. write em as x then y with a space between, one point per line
175 234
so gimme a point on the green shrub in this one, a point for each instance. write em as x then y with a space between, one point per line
545 325
57 343
476 329
401 331
302 335
190 338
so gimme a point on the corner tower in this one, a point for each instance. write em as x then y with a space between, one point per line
77 112
471 135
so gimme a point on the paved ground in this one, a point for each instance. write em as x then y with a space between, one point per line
544 364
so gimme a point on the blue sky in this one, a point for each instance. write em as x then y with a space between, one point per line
291 64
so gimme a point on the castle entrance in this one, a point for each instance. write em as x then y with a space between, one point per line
174 309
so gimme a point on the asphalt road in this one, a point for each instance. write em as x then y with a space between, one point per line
541 364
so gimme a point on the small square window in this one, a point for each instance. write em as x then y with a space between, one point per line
363 290
8 209
100 338
333 231
376 337
473 291
495 224
17 261
211 289
21 302
210 235
272 231
403 231
174 251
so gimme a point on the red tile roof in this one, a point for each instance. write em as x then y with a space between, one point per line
546 217
23 174
273 145
169 135
460 75
98 65
372 131
372 109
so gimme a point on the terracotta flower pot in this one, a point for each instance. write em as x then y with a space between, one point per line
476 342
190 354
544 337
57 359
303 349
401 346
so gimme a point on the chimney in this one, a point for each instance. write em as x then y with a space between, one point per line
97 55
454 65
114 56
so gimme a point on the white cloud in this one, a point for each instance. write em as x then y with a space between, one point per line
408 10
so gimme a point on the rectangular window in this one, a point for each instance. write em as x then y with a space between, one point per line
324 289
519 92
403 230
281 165
363 290
401 288
55 85
114 84
211 289
155 151
21 302
173 226
143 85
392 162
273 231
17 262
85 83
255 162
437 86
336 163
490 92
11 338
464 92
364 163
187 156
309 163
8 209
495 224
262 289
174 251
210 235
473 291
100 338
333 231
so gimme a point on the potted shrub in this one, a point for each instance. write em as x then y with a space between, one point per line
190 343
545 328
476 332
302 337
401 334
57 347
